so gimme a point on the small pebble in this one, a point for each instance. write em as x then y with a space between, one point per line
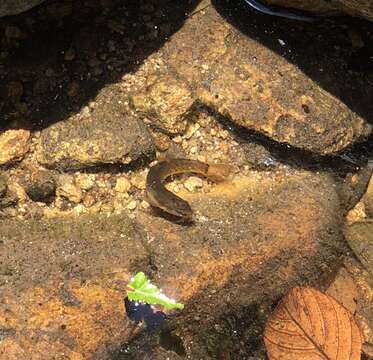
138 181
69 55
177 139
132 205
89 200
193 183
145 204
68 189
122 185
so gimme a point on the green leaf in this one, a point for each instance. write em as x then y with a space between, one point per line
141 289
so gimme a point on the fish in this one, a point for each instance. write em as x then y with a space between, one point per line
158 196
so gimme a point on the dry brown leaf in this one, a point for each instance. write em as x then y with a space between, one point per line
309 325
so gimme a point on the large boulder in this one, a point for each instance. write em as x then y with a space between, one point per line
63 281
248 83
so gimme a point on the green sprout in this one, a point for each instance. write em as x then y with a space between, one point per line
141 289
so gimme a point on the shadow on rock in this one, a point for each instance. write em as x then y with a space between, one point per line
335 52
55 58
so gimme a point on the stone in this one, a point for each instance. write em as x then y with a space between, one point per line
253 238
109 135
3 185
368 199
359 236
362 8
244 81
166 102
85 181
122 185
362 282
14 144
344 290
9 197
193 183
66 278
13 7
138 180
68 189
132 205
40 186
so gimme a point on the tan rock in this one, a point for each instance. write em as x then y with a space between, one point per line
363 285
166 102
109 135
359 236
14 144
85 181
251 85
122 185
68 189
368 199
193 183
66 278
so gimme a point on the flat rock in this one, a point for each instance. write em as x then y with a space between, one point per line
255 87
107 134
359 236
62 282
14 144
62 286
254 239
13 7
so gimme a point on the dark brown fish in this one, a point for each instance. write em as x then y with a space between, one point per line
158 196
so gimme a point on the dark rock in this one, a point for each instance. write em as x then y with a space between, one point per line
12 7
3 185
109 134
9 199
362 8
41 186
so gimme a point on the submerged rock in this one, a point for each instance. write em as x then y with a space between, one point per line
66 279
165 102
252 240
359 236
12 7
255 87
362 8
40 186
108 134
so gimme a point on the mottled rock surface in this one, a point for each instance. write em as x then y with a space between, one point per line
254 87
253 239
12 7
165 101
106 134
14 144
62 286
359 236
